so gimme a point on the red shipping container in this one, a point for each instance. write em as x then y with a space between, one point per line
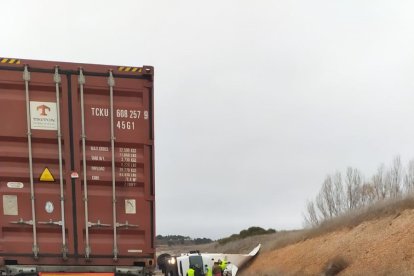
76 166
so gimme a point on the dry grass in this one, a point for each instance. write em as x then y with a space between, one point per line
283 238
358 236
378 210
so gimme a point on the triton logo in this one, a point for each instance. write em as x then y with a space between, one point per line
43 109
43 115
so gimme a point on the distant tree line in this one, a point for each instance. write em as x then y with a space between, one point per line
343 192
171 240
251 231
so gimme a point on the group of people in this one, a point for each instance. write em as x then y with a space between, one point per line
217 269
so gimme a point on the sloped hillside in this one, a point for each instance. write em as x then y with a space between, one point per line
377 240
380 246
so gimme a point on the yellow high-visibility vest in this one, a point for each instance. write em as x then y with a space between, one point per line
190 272
223 265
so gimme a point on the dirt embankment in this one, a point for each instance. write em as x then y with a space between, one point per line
383 246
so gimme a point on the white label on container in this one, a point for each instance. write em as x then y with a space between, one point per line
49 207
130 206
134 251
43 115
74 175
15 185
10 205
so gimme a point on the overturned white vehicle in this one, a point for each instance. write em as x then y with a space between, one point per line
178 266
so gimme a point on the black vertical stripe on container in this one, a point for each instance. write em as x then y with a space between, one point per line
151 164
151 111
152 203
152 167
72 167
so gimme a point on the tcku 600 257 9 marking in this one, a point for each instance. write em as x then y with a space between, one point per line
131 114
120 113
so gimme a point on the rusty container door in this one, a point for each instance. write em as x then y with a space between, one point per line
76 164
33 164
115 150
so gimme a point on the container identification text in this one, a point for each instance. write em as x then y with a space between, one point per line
127 116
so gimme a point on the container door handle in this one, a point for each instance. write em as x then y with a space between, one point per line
81 81
126 225
98 224
35 247
57 79
51 222
21 221
111 84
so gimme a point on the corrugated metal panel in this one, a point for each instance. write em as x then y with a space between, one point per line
132 239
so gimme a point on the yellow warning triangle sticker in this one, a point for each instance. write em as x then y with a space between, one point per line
46 175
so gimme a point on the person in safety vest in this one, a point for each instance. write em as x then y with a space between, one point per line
198 270
216 269
208 271
191 271
223 265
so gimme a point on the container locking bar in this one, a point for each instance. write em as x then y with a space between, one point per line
81 81
98 224
22 222
35 247
51 222
111 83
126 225
57 79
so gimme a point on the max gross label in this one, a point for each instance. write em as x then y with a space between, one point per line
126 169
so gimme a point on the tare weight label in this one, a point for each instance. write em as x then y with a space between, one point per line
43 115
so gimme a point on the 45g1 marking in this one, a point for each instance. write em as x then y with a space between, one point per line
125 125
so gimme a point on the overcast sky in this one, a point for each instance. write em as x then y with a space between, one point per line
255 101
